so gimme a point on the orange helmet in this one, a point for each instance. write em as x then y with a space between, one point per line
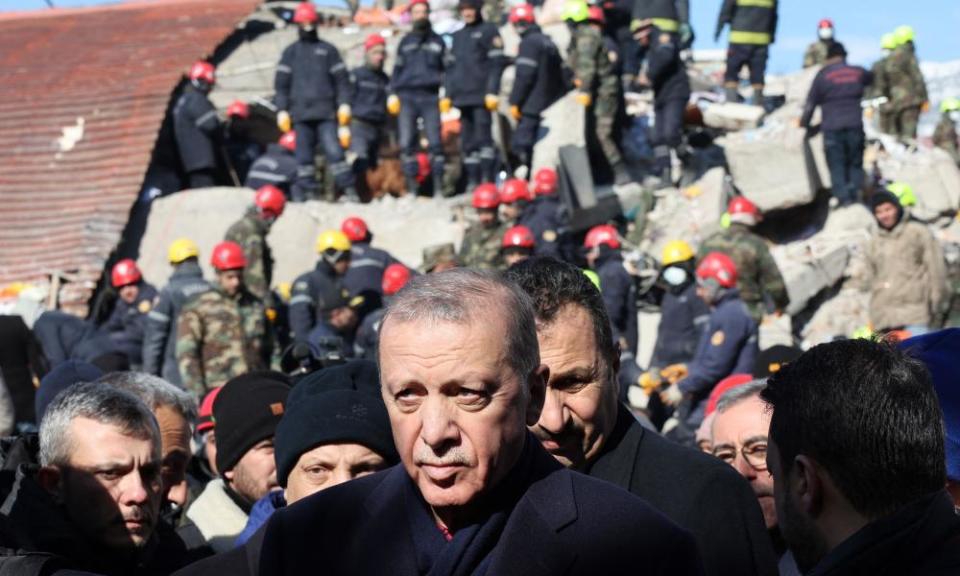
522 13
355 229
514 190
518 237
306 13
270 199
719 267
125 272
228 256
602 234
202 70
741 205
545 182
395 277
486 196
289 140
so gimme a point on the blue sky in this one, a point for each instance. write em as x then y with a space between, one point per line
859 25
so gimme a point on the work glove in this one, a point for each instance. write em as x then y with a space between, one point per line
671 396
491 102
868 113
393 104
344 114
577 83
674 373
925 107
515 112
343 134
445 105
650 381
283 121
584 99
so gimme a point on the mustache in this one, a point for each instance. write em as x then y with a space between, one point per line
453 456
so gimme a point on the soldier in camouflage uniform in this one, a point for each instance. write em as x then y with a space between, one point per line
598 86
816 53
880 87
945 134
222 333
908 91
250 232
439 257
758 274
481 242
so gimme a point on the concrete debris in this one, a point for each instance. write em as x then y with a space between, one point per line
732 116
838 317
931 173
691 214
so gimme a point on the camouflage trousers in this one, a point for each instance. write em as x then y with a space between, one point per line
604 116
905 123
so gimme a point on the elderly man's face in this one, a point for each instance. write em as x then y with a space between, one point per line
328 465
580 408
458 411
740 439
111 486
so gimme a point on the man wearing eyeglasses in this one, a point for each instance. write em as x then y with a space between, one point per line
740 432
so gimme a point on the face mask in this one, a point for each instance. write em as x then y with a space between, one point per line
955 116
825 33
675 276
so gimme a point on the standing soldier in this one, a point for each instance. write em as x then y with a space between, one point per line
310 289
277 166
369 106
222 333
313 93
945 134
160 341
417 77
616 286
127 321
753 28
598 87
474 66
538 84
908 91
667 76
880 88
250 232
481 242
816 53
757 271
196 127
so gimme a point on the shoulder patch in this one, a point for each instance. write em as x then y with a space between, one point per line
497 41
144 306
550 235
718 338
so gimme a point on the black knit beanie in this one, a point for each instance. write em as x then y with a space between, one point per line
246 412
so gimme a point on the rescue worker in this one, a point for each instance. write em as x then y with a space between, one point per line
880 88
538 84
728 346
753 28
667 76
222 333
757 273
548 221
597 86
816 53
481 241
905 273
250 232
515 201
838 90
277 166
616 286
438 258
337 317
160 340
474 66
395 277
127 320
369 106
945 134
310 288
197 128
415 86
908 90
313 94
517 245
668 16
364 277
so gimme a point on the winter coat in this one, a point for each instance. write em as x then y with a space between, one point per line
214 519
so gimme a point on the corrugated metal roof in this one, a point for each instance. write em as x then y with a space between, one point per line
82 95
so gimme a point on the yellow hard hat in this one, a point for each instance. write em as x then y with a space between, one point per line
676 251
904 193
888 41
903 34
333 240
576 11
594 277
181 249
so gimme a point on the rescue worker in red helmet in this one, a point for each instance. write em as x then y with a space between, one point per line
365 275
515 201
548 218
240 147
367 128
313 95
481 242
277 166
518 245
395 277
197 128
251 231
223 332
127 321
728 346
617 287
816 53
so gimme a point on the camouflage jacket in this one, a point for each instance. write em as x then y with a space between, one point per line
816 54
906 84
945 137
250 232
881 83
757 272
481 246
219 337
590 60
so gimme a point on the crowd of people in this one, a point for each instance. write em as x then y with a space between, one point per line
488 412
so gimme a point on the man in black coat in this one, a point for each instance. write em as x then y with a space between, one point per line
21 364
277 166
585 428
197 127
368 127
475 492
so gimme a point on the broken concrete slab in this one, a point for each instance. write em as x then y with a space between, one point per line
732 116
690 214
838 317
932 174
